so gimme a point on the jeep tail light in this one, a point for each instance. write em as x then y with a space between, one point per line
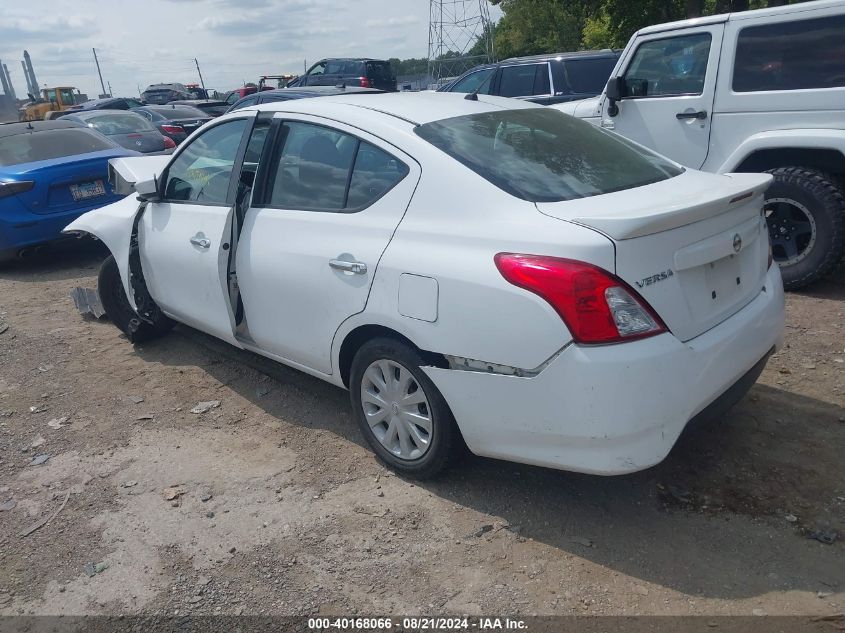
365 83
169 143
597 306
11 188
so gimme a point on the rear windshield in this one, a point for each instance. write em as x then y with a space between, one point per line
344 67
110 124
543 155
48 144
180 112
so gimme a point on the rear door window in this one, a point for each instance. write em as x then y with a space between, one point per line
323 169
50 144
524 81
794 55
582 76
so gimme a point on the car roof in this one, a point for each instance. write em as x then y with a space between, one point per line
801 7
90 114
605 52
13 129
314 90
351 59
416 108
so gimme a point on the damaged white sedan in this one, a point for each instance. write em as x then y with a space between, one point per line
474 270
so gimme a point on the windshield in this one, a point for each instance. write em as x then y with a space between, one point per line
48 144
124 123
543 155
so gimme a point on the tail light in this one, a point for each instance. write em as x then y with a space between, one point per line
168 142
172 129
365 82
597 306
11 188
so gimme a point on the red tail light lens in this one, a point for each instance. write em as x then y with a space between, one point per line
597 306
169 143
172 129
11 188
365 83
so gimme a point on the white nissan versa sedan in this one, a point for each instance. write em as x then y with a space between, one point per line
473 270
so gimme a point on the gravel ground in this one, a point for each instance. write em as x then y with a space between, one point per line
270 503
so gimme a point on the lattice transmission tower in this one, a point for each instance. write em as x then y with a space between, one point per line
454 27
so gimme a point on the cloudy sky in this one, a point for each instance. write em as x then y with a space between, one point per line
150 41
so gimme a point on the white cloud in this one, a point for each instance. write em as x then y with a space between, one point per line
234 40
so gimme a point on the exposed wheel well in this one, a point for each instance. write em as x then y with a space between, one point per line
829 160
360 335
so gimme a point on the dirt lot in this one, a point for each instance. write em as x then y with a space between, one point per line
284 511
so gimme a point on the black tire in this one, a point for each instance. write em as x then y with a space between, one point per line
819 243
119 310
444 442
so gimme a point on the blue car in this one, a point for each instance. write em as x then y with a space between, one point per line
51 172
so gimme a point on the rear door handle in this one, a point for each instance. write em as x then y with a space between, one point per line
700 115
202 242
358 268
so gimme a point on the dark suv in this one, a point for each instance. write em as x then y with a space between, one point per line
364 72
544 79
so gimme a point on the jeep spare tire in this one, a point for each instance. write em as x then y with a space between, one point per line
805 213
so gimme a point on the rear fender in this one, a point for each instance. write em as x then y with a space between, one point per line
112 225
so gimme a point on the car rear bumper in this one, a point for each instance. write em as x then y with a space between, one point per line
615 409
20 228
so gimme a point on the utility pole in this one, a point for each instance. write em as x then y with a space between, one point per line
110 92
202 83
96 61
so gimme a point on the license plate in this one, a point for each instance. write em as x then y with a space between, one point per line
86 190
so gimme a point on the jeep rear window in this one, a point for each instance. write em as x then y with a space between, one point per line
795 55
48 144
542 155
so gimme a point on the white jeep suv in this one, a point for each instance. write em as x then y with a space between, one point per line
747 92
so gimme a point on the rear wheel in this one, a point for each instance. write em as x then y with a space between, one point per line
805 213
401 413
120 311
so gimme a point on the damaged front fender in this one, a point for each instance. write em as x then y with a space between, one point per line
112 225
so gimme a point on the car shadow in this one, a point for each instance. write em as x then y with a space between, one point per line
707 522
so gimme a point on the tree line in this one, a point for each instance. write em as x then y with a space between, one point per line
530 27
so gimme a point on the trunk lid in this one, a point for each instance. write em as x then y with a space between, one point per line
75 183
145 142
695 246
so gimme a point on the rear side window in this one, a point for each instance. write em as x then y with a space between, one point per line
542 155
524 81
794 55
380 71
321 169
582 76
49 144
669 67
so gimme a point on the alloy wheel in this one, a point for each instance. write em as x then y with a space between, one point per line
792 230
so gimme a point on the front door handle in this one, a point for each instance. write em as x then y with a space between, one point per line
358 268
700 115
202 242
